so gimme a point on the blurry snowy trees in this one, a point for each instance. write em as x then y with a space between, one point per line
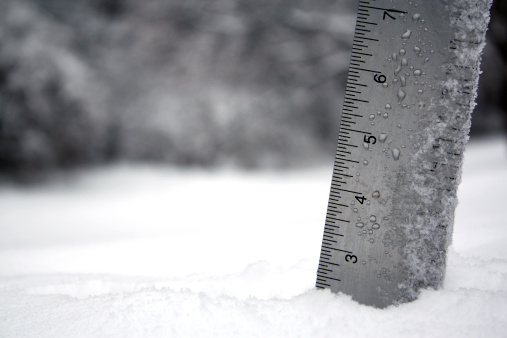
189 82
491 113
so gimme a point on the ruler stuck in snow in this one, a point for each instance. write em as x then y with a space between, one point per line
410 91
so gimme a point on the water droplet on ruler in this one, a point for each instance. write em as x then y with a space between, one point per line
406 35
396 153
402 51
417 72
401 95
388 106
383 137
404 62
372 116
359 224
363 262
375 226
397 70
416 17
366 146
371 240
365 162
417 49
385 115
355 209
373 218
403 81
376 193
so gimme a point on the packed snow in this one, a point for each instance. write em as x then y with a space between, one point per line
150 251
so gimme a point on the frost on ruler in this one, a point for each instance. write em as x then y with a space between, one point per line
425 188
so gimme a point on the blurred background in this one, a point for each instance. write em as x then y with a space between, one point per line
250 83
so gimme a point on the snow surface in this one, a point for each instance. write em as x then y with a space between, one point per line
151 251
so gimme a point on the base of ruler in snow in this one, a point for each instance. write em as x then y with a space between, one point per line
411 89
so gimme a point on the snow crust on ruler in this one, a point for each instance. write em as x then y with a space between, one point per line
421 193
430 54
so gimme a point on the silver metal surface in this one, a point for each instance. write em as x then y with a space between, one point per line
405 122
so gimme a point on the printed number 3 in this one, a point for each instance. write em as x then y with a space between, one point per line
351 258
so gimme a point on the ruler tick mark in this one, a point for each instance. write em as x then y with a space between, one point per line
366 70
357 100
332 233
339 220
323 269
357 131
337 249
353 192
330 278
364 38
367 22
362 53
382 9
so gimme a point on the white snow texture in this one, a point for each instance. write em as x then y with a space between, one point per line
146 251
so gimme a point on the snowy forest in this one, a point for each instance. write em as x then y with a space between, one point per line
200 83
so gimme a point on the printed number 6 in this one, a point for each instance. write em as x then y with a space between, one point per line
351 258
379 78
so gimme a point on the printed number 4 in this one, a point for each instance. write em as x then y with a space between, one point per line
361 199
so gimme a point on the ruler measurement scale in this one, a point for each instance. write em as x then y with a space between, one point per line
396 93
349 112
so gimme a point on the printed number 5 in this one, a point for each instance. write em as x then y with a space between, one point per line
351 258
370 139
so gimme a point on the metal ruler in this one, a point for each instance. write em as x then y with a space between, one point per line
410 92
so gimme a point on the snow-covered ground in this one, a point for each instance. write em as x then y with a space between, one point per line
150 251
